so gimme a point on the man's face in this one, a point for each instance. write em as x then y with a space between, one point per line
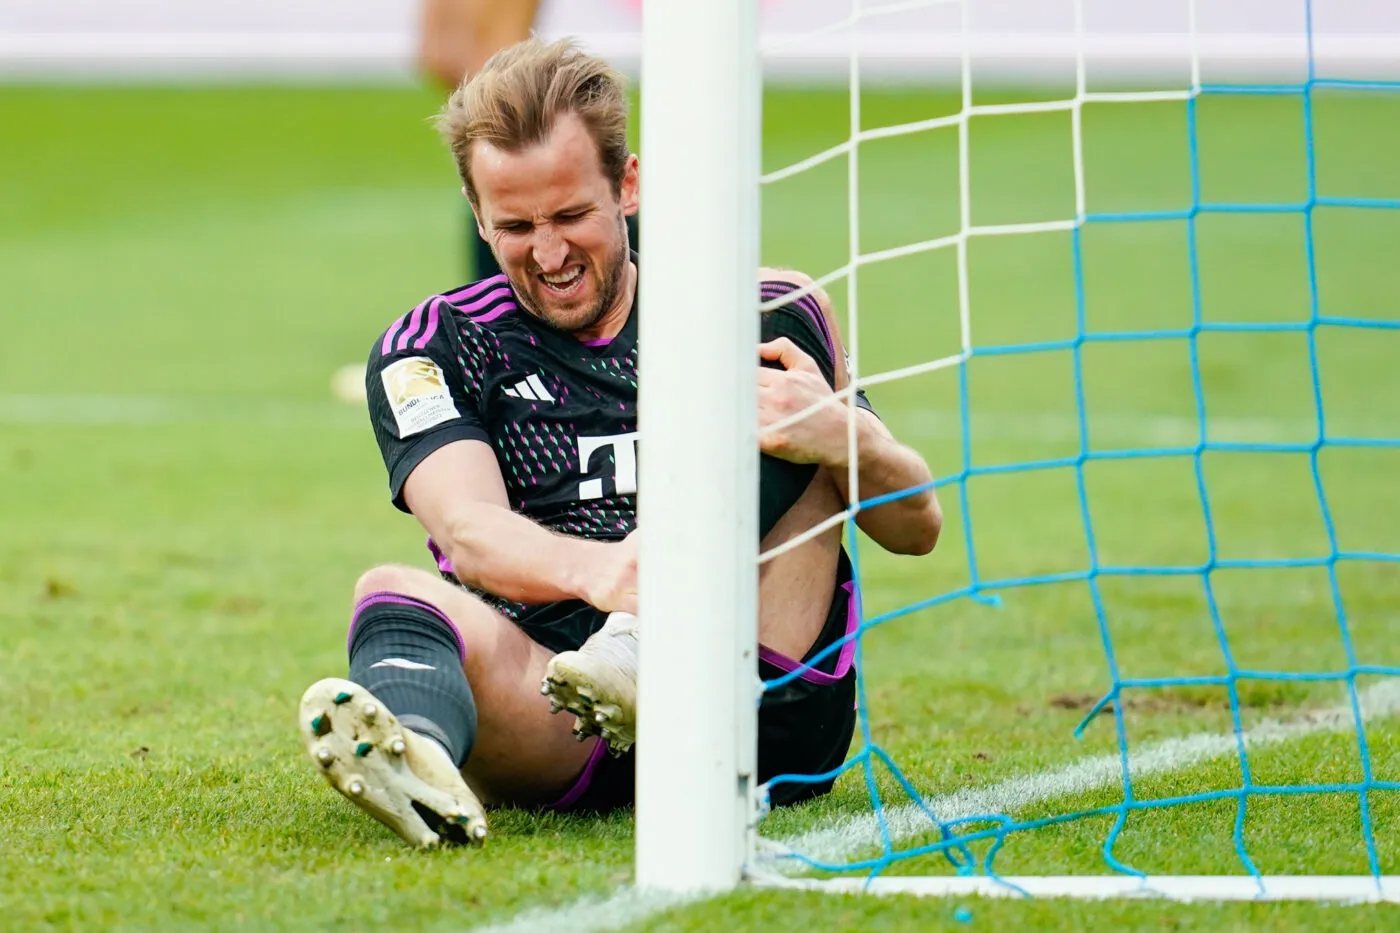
555 224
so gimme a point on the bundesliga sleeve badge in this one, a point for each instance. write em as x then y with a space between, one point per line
418 394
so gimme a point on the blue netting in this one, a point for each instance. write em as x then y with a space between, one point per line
957 836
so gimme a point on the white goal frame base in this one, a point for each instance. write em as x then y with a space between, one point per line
1354 889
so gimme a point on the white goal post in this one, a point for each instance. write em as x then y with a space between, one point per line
697 413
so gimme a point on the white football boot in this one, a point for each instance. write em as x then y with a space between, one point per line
402 779
598 684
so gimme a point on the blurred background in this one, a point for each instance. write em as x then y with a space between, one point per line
207 210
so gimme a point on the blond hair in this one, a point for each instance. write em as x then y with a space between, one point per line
515 99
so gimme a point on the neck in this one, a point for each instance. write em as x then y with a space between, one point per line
615 318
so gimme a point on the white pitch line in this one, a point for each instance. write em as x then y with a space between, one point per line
851 836
589 914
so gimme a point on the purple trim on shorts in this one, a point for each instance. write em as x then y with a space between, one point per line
384 596
848 651
412 328
429 329
444 563
496 294
585 778
387 346
475 288
494 312
600 342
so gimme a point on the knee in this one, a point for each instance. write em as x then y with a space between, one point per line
387 578
800 279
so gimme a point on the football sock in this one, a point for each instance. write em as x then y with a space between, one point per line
409 655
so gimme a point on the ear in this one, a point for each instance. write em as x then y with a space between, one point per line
631 186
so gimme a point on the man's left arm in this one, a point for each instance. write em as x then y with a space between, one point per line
909 524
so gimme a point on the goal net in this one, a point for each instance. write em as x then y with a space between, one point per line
1125 277
1121 294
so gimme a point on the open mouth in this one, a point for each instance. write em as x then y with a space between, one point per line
562 284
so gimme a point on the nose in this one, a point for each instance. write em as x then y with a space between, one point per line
550 250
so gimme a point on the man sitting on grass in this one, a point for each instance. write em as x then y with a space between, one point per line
506 414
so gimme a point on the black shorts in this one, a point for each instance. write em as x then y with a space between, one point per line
804 727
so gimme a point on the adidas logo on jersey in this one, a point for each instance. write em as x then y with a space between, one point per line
530 387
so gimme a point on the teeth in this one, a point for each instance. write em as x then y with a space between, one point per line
563 278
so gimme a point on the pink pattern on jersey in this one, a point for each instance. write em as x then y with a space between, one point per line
431 329
475 288
412 328
494 295
388 346
495 313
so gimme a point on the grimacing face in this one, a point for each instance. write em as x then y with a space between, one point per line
556 226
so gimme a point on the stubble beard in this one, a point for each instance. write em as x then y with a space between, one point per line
610 287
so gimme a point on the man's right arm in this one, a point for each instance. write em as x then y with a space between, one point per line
457 494
422 384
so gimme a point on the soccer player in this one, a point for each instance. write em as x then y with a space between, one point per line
455 38
505 411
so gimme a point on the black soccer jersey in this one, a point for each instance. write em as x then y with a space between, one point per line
561 414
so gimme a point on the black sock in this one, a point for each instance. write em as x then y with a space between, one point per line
409 655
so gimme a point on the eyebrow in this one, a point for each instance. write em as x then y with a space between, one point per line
508 220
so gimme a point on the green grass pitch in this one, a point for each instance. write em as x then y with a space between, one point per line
183 506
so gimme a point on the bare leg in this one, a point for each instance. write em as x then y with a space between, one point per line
522 755
795 588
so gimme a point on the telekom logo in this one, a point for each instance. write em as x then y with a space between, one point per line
624 456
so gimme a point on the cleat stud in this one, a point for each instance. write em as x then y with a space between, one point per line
544 688
479 833
397 747
363 749
555 706
343 696
355 788
600 717
321 724
325 756
370 711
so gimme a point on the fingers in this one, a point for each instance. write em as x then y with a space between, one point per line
787 353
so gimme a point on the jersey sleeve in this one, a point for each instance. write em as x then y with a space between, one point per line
802 322
416 384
